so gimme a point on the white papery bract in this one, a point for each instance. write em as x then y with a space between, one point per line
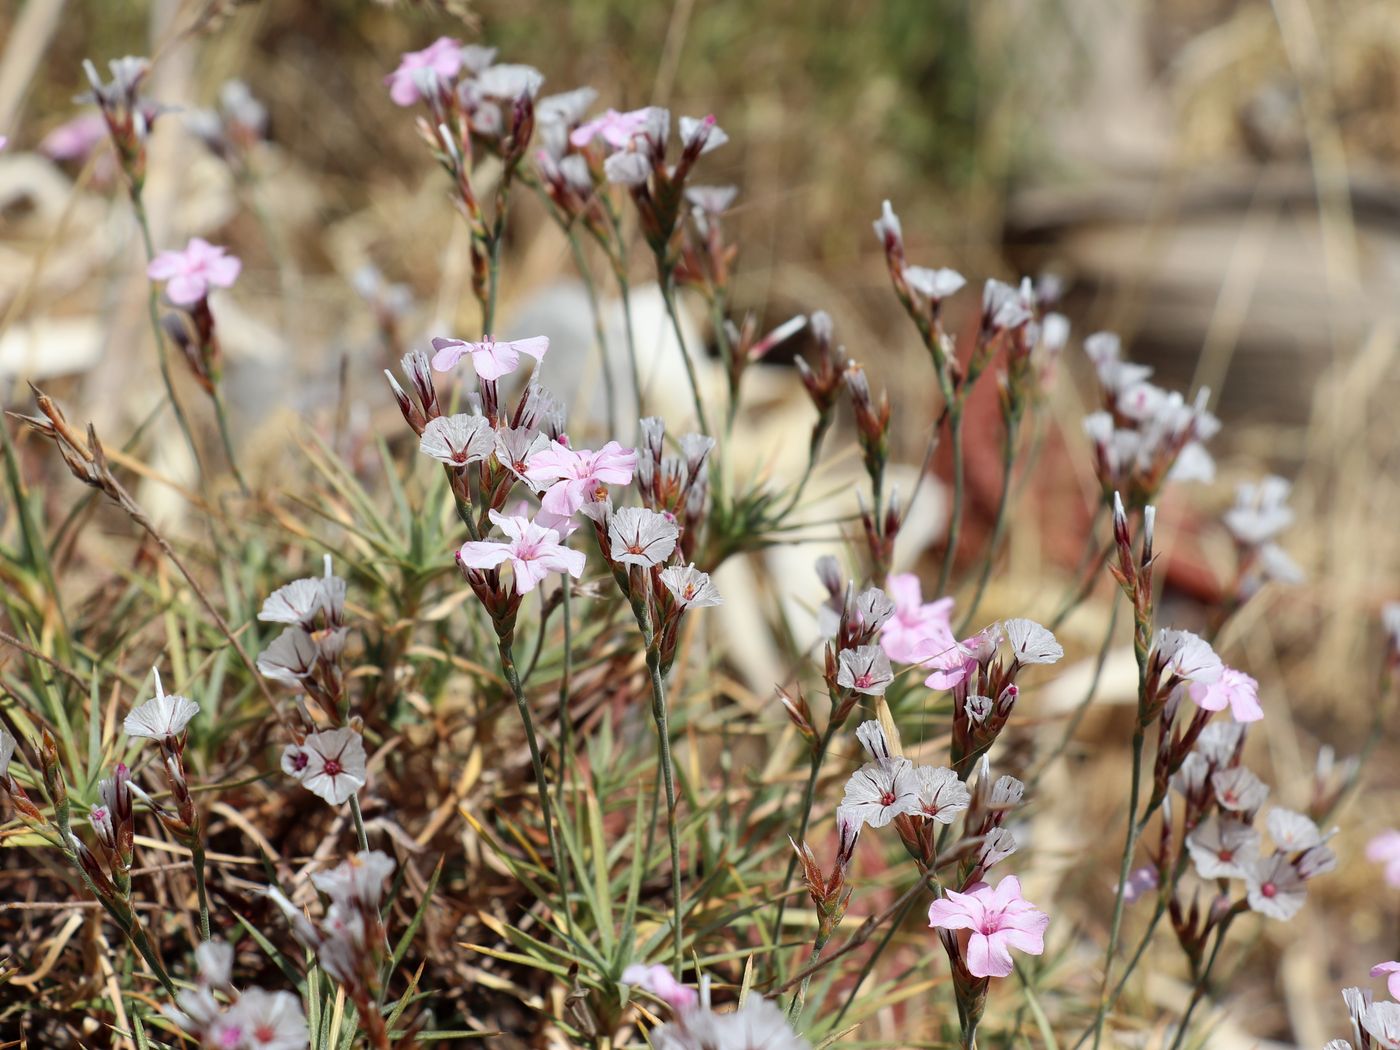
162 716
1031 643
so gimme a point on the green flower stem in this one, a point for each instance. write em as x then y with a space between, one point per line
668 293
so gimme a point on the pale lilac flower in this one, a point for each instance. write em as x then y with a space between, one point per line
888 228
267 1021
951 661
1239 790
904 635
76 138
1392 982
215 962
1291 831
658 981
4 141
711 200
1141 881
299 602
458 440
1003 306
691 588
865 669
572 477
510 81
702 133
335 767
1193 463
1260 512
614 128
874 608
942 796
1000 919
627 169
934 285
443 57
997 845
191 273
1031 643
641 537
1219 743
871 735
758 1023
1382 1022
567 107
295 759
532 550
491 359
1385 849
1223 848
290 657
358 882
1142 401
1187 657
880 791
1275 888
162 717
1233 689
515 446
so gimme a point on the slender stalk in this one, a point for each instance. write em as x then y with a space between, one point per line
1008 459
795 1007
359 822
488 316
599 329
566 752
221 416
668 293
955 520
663 733
200 887
1199 991
808 795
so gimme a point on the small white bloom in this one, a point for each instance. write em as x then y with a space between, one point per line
1260 512
335 767
358 882
942 796
702 129
1239 790
999 844
458 440
711 200
691 588
1031 643
1193 463
296 602
935 285
1382 1021
865 669
510 81
887 226
267 1020
1223 848
567 107
1188 657
290 657
626 168
1291 831
162 716
1274 888
880 791
641 537
871 735
215 962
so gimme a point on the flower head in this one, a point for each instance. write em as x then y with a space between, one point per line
865 669
614 128
533 551
1392 982
1384 849
904 634
1031 643
691 588
572 477
290 657
641 537
934 285
443 58
1233 689
266 1021
658 981
1239 790
458 440
880 791
358 882
757 1023
161 717
1223 848
335 764
1187 657
942 796
1260 512
490 358
999 919
191 273
1274 887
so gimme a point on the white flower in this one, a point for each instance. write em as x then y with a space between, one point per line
711 200
1382 1021
757 1025
691 588
1239 790
1054 333
162 716
887 226
458 440
510 81
641 537
703 130
267 1020
358 882
880 791
941 794
567 107
1219 743
932 284
1193 463
290 657
7 752
1031 643
335 767
295 603
627 168
215 962
1223 849
999 844
1188 657
1292 832
865 669
871 735
1260 512
1274 888
1003 306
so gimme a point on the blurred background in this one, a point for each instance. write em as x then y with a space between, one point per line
1217 181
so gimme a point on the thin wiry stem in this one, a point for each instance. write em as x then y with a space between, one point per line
668 293
359 822
808 795
1008 460
599 328
1198 991
200 887
955 520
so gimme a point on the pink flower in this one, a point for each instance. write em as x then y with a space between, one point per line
904 634
532 550
577 474
658 981
1234 689
1393 981
490 358
190 274
614 128
76 138
443 57
1385 849
950 659
1000 919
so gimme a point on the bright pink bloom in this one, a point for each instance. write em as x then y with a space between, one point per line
1393 981
658 981
952 661
1000 919
1234 689
443 56
76 138
904 635
490 359
1385 849
576 474
190 274
614 128
532 550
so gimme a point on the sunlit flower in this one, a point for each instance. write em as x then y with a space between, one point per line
1187 657
572 477
999 919
191 273
357 882
1222 848
758 1023
614 128
510 81
934 285
443 57
691 588
1260 512
1239 790
626 169
1291 831
905 633
266 1021
702 133
1233 689
490 358
1275 888
290 657
641 537
532 550
880 791
942 796
1031 643
335 767
1392 982
865 669
457 440
162 716
1382 1022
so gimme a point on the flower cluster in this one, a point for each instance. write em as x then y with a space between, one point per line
1260 514
189 276
127 115
1375 1024
253 1019
756 1022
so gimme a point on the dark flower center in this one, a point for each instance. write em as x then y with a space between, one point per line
333 767
1268 889
1227 855
887 799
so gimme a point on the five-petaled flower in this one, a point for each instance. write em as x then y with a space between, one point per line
458 440
443 57
865 669
491 358
191 273
614 128
577 476
880 791
904 636
330 764
1233 689
161 717
999 919
641 537
533 551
